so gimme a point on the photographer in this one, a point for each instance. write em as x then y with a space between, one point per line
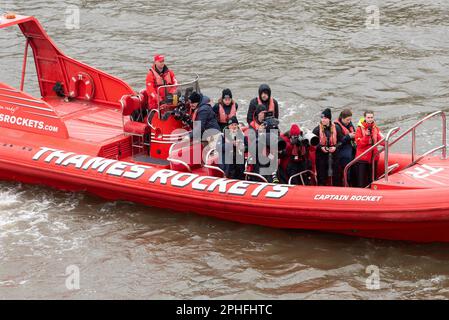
367 135
259 117
346 145
231 149
326 159
203 114
265 152
295 159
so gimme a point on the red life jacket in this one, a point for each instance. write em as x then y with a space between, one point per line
195 114
223 117
159 80
343 127
333 137
270 106
254 125
374 133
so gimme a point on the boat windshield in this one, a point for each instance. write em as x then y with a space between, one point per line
171 94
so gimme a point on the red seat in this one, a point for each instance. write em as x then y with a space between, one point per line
137 128
143 95
131 103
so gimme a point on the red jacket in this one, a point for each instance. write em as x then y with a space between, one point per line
154 81
365 141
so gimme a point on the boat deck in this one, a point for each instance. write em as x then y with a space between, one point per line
428 174
88 121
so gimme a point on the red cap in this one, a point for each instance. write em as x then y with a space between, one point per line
159 58
294 130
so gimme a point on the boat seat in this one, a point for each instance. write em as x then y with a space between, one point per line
143 95
132 104
182 159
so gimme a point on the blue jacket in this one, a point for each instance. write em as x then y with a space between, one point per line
206 116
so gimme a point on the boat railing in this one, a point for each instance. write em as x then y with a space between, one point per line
367 151
412 130
192 85
301 176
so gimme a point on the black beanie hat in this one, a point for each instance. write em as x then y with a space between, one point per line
226 92
195 97
327 113
233 120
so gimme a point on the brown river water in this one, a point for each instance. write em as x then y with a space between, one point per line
313 53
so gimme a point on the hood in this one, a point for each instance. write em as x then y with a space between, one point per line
204 100
264 87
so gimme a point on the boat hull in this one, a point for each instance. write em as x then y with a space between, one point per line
413 215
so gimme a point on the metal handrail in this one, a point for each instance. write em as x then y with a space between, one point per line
386 149
350 164
300 174
252 174
412 129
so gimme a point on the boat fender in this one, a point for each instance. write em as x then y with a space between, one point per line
88 83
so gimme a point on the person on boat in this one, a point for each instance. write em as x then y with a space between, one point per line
326 150
226 108
346 145
264 155
259 117
295 159
264 98
159 75
367 135
203 114
231 149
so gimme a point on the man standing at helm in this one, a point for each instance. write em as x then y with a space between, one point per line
159 75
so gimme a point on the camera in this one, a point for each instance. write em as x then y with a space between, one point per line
181 113
305 140
269 115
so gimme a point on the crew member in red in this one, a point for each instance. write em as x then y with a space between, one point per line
226 108
367 135
159 75
346 145
326 150
295 159
265 99
259 117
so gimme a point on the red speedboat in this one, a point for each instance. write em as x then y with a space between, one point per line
78 136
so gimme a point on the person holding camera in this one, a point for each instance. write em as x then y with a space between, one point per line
264 99
367 135
295 158
346 145
265 146
231 149
260 114
203 114
225 109
326 154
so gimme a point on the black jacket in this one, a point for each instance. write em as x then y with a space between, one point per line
227 110
327 132
345 146
207 118
232 157
254 102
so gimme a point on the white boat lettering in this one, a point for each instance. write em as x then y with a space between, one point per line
336 197
79 161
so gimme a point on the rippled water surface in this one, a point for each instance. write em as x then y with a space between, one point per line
313 54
